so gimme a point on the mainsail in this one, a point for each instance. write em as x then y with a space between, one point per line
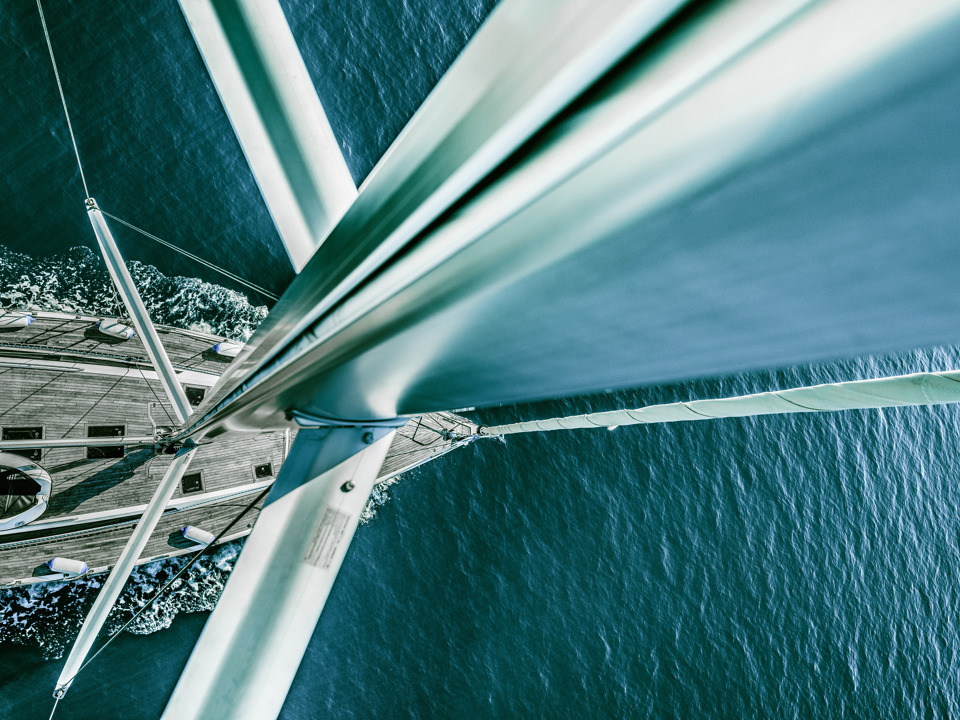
592 198
595 196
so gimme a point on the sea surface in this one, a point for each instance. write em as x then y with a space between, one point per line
782 566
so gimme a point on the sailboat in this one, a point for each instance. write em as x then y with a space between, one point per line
594 196
84 427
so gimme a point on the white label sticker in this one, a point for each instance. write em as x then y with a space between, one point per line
327 538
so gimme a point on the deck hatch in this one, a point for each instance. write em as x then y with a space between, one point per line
25 433
109 451
191 483
195 394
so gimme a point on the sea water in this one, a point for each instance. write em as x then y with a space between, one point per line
797 566
781 566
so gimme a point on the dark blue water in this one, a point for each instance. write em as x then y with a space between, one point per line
156 147
374 63
802 566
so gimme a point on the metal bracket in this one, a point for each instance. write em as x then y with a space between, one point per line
322 444
153 422
310 420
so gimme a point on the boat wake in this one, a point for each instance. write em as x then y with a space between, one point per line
378 497
77 282
49 615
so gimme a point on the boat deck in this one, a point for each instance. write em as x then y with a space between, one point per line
72 404
22 556
24 560
422 439
77 338
60 377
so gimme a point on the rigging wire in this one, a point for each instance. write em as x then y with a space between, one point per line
63 100
235 278
162 406
172 580
100 400
121 308
83 179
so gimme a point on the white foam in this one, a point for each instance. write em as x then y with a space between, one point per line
49 615
76 282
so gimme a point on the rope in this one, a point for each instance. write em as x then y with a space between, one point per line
235 278
166 587
63 100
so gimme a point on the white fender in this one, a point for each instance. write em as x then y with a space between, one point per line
228 348
15 319
115 329
197 535
67 567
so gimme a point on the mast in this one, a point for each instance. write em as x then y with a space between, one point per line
251 647
138 313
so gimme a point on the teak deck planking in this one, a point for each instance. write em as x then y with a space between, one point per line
65 404
78 338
